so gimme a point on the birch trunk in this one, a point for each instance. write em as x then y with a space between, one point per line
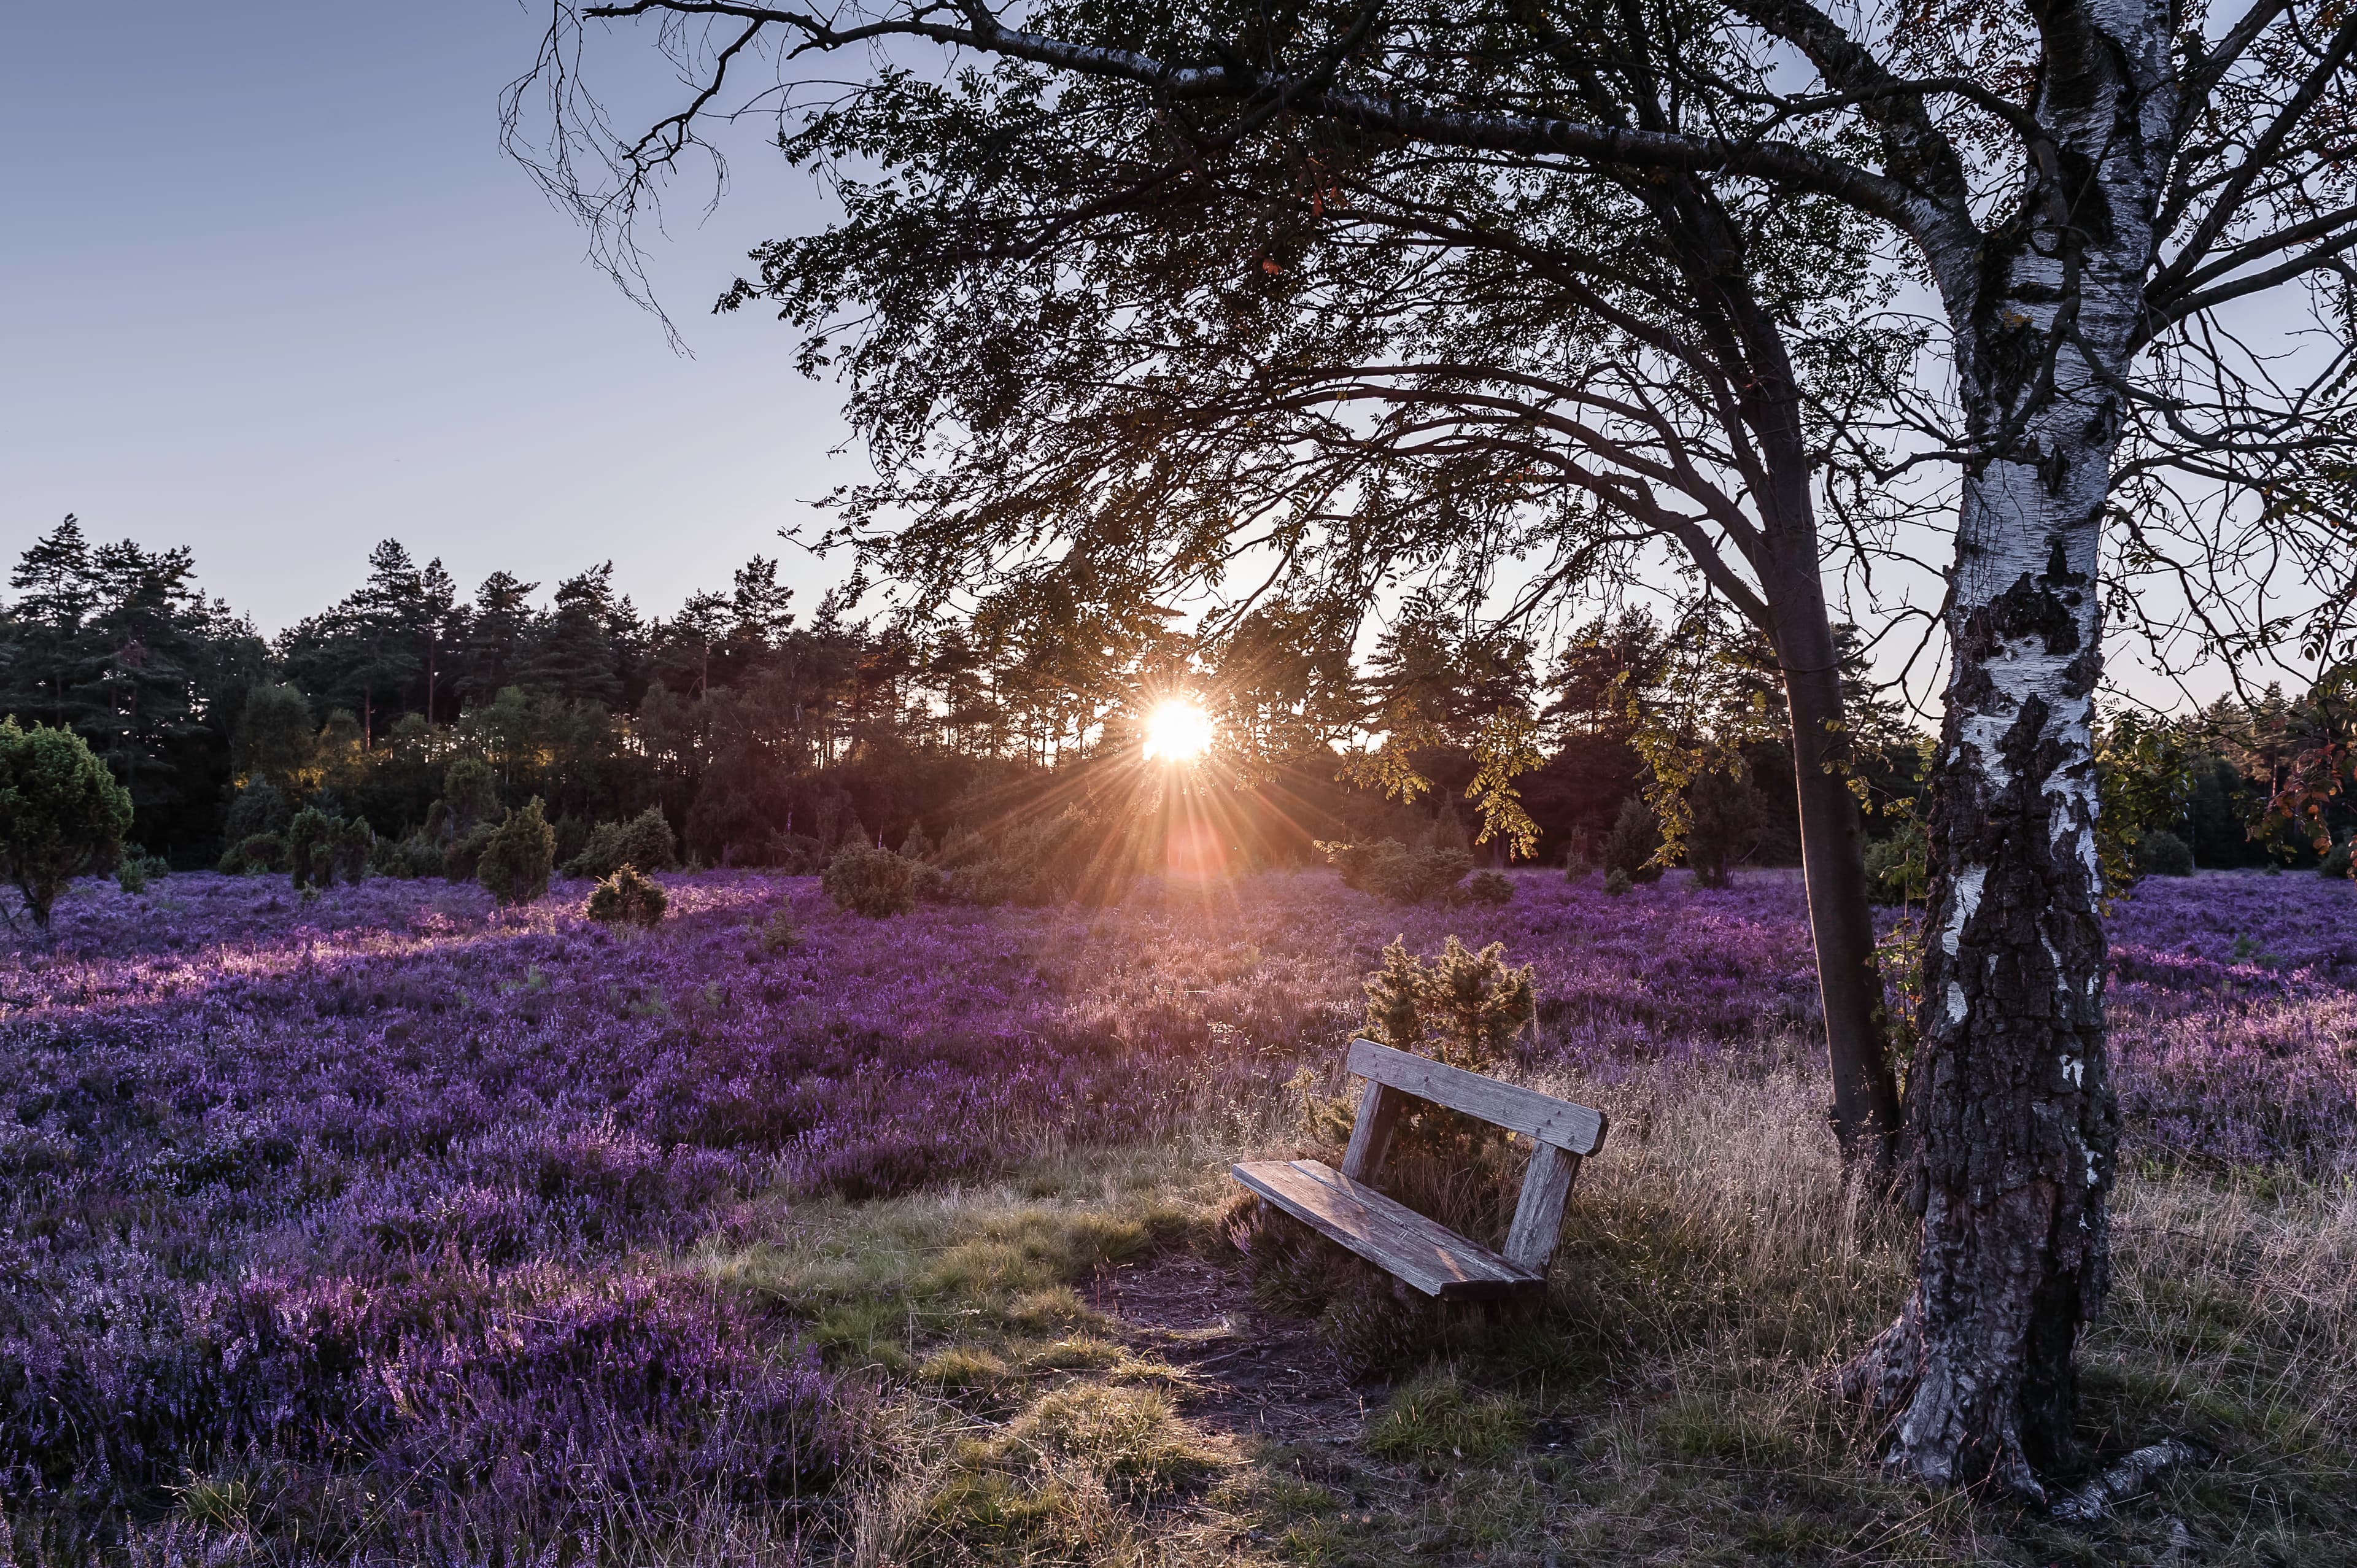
2010 1111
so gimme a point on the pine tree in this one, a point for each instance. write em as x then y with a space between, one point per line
498 636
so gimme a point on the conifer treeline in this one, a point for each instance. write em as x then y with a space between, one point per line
751 725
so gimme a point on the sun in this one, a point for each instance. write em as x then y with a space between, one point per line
1178 731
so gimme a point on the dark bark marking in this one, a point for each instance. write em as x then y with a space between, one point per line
2030 608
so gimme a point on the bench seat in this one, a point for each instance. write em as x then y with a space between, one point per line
1387 1233
1420 1252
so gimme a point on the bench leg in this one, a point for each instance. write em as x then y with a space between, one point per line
1379 1112
1538 1218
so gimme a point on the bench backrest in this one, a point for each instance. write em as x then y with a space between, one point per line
1541 1118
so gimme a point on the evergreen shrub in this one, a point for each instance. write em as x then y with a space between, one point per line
1628 848
870 881
62 813
261 807
1899 868
1486 888
1035 862
464 857
414 856
1464 1007
781 933
515 862
138 868
2160 852
254 855
353 850
470 797
644 843
1724 812
1389 870
626 899
310 852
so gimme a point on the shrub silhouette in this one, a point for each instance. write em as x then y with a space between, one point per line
321 847
1038 860
310 838
519 856
1486 888
1389 870
626 899
1628 848
62 813
253 853
1464 1007
644 843
1725 813
2160 852
411 857
464 857
870 881
470 796
353 850
261 807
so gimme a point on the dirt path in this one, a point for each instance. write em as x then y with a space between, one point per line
1254 1373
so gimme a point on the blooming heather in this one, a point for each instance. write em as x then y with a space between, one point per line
387 1179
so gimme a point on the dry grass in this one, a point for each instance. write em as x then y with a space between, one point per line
1668 1404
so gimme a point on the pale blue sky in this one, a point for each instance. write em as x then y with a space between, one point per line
270 288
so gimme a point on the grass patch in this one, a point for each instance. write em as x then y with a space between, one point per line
878 1282
1666 1402
1437 1418
1084 1473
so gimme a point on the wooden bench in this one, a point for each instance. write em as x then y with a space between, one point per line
1423 1252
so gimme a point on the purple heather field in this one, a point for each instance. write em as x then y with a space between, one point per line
385 1182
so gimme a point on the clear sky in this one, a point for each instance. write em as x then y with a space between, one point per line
270 288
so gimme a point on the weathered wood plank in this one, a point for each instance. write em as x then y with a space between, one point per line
1379 1112
1541 1118
1538 1216
1421 1251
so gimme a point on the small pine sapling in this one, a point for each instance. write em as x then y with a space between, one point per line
781 933
1465 1007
